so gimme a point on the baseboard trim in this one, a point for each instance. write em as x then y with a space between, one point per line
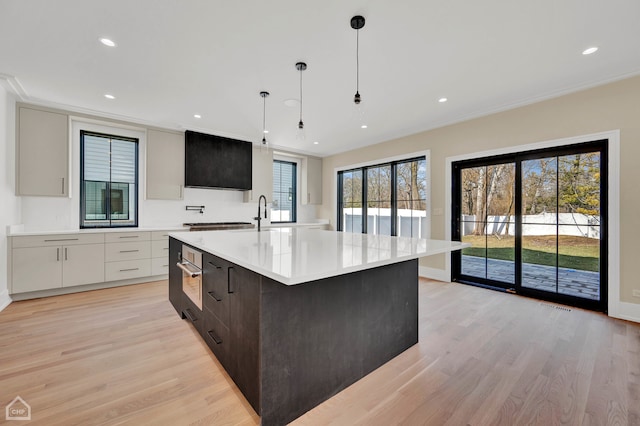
433 273
5 300
627 311
87 287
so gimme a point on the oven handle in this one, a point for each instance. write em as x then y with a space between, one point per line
188 271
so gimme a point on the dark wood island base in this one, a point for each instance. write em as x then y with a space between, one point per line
291 347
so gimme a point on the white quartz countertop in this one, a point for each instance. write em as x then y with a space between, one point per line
297 255
21 232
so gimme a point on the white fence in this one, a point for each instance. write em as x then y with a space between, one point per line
576 224
411 223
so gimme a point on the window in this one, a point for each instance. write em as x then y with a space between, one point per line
394 202
536 221
283 208
109 181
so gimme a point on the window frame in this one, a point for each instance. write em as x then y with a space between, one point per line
294 190
136 212
364 168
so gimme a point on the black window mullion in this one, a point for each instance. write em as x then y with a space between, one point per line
294 195
557 223
340 194
518 230
108 194
365 189
394 198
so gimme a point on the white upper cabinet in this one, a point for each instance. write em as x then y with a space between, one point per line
165 165
42 152
261 175
311 191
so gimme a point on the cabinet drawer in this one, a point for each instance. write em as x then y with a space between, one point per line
216 335
55 240
126 269
216 300
160 248
215 287
160 265
159 235
127 251
191 312
117 237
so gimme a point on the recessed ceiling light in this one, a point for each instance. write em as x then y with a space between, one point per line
442 100
108 96
316 143
107 42
364 126
197 116
265 131
590 50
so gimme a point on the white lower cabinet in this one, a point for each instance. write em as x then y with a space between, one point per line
82 264
36 268
46 262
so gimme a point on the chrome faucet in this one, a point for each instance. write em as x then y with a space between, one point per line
259 218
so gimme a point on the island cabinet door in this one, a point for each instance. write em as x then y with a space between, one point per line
244 329
175 275
215 283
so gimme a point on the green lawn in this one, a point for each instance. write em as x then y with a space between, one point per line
574 252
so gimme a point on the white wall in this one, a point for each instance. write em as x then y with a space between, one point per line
9 203
56 213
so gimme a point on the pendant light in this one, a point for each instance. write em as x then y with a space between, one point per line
357 22
264 146
300 66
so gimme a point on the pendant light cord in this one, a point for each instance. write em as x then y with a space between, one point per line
264 115
357 61
300 94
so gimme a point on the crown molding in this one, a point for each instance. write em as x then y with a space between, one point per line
14 86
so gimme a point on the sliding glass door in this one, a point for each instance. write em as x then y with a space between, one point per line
536 222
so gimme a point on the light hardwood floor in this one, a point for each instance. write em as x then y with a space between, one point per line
123 356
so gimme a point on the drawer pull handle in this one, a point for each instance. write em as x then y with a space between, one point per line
130 236
212 294
165 266
189 315
214 265
58 254
214 337
61 239
229 280
130 269
129 251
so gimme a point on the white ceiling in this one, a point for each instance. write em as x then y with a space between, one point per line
176 58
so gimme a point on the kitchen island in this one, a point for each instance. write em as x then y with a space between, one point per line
296 315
